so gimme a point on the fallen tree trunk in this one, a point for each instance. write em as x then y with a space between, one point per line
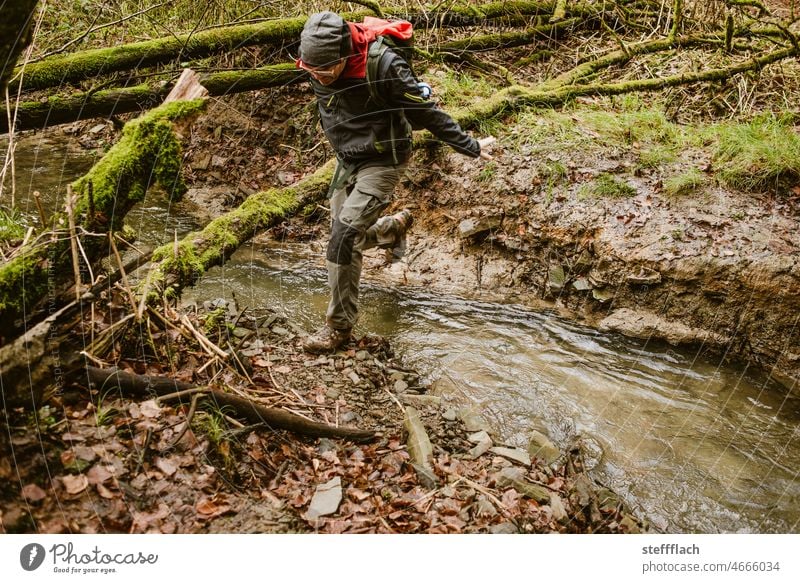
15 35
144 386
34 115
73 68
148 152
176 266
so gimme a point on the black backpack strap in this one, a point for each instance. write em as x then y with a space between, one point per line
374 55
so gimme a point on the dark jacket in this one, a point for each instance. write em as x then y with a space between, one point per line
361 130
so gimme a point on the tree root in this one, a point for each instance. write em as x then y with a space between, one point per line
132 385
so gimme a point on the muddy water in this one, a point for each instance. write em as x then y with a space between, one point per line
696 446
48 162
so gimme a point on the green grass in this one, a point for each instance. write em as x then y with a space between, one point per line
454 89
606 186
12 225
757 155
684 183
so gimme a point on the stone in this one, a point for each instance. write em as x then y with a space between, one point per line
326 499
581 284
645 276
280 331
485 508
400 386
511 453
479 437
602 295
557 506
362 355
449 415
504 528
540 447
354 377
421 400
425 475
473 420
555 279
326 445
418 443
515 478
481 448
474 226
97 128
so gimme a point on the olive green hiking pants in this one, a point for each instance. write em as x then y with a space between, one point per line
357 225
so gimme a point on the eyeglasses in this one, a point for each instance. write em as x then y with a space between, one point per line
330 71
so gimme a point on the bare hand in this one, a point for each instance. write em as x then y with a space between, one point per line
485 143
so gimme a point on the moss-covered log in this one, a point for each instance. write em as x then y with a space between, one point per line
504 40
148 152
105 103
517 96
177 266
15 35
76 67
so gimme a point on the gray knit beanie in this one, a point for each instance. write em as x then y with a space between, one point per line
325 39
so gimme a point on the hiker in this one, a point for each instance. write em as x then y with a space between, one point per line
367 117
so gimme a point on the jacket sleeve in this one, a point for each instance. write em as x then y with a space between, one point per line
404 93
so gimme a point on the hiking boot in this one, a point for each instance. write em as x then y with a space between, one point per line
326 339
403 221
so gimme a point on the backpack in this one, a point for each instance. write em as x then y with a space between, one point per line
390 34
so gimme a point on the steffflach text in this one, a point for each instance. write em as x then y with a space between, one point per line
670 549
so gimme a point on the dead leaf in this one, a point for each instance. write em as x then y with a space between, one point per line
33 493
260 362
105 492
150 409
283 369
98 474
210 508
75 484
167 466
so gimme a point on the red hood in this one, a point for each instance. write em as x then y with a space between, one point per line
356 67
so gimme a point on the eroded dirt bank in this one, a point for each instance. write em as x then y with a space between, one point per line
716 269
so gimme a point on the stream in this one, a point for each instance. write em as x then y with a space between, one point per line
691 444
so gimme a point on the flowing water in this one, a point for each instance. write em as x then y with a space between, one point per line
694 445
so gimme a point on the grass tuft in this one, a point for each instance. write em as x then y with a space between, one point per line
607 186
684 183
757 155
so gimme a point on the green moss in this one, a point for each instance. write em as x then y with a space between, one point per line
22 281
684 183
148 152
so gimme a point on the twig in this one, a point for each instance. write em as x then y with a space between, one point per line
125 283
207 345
93 28
38 200
72 243
181 394
189 416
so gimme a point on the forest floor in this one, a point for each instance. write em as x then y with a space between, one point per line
640 216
